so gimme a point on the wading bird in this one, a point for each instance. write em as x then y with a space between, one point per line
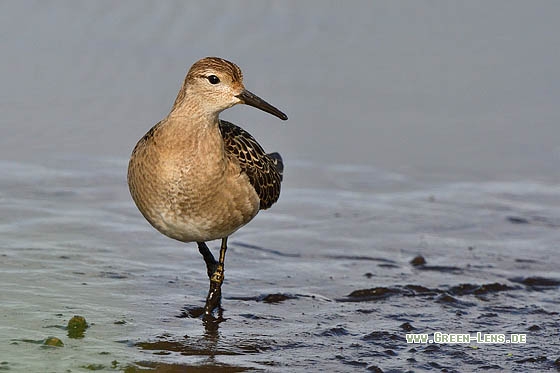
197 178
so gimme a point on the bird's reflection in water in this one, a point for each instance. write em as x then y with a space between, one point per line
206 345
211 323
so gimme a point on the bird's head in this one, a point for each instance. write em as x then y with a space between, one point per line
216 84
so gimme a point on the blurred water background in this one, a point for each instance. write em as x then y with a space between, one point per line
416 128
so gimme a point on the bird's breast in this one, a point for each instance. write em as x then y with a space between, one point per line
191 194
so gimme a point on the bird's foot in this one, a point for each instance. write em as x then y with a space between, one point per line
215 292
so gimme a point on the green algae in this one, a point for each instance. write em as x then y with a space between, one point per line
77 327
53 341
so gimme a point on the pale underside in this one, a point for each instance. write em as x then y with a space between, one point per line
204 186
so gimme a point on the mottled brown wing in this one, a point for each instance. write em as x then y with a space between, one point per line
264 170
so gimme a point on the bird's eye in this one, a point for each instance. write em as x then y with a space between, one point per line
213 79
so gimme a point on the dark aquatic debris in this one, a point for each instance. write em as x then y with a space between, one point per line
365 295
418 261
411 290
113 275
419 289
537 282
277 298
273 298
465 289
360 258
517 220
379 293
153 366
407 327
534 220
521 260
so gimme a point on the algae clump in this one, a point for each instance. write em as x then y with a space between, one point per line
77 326
53 341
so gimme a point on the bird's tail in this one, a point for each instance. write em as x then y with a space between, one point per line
277 159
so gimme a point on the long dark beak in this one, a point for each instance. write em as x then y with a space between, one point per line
248 98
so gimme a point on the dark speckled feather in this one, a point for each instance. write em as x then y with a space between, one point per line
264 170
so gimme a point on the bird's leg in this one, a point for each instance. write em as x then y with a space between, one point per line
211 263
216 280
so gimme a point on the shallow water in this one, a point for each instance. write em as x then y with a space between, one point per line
322 281
421 187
